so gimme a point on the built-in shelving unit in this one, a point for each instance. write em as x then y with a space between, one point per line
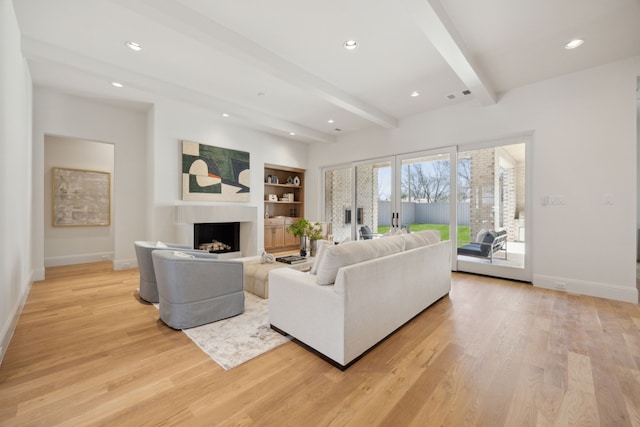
283 205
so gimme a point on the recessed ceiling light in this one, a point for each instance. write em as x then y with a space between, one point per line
225 115
574 44
330 121
292 133
415 93
134 46
117 84
350 44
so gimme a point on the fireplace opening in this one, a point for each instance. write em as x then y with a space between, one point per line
217 237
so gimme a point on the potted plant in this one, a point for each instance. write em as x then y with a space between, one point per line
314 233
306 231
299 229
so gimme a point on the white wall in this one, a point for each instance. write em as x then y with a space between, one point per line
75 245
70 116
175 122
15 175
584 145
147 168
638 175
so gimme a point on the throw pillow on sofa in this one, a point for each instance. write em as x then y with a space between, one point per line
422 238
322 244
350 253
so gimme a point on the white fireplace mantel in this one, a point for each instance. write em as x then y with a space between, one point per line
247 216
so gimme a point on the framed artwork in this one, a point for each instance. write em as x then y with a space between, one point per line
214 174
80 197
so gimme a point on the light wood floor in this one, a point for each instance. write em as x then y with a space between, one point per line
493 353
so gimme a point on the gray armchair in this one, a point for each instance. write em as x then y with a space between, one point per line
196 287
148 288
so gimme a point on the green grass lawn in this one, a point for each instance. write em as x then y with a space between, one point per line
463 231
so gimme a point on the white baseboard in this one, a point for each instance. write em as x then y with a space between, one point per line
9 328
77 259
125 264
37 274
594 289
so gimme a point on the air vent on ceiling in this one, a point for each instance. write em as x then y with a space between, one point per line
457 95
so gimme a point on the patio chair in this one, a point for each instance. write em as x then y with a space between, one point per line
367 234
491 243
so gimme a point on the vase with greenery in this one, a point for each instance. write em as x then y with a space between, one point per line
307 232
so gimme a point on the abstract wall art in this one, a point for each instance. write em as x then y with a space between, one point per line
214 173
80 197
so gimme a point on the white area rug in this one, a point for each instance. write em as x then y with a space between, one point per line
233 341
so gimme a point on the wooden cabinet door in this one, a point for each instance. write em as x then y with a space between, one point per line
273 237
268 238
278 237
290 239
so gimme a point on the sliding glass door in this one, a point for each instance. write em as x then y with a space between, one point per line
413 192
492 210
476 197
426 192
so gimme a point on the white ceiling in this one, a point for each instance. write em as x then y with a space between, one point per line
279 65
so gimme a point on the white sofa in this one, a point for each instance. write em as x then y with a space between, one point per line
362 292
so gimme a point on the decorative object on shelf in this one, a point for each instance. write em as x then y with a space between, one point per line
288 197
296 180
80 197
289 180
292 212
214 173
273 197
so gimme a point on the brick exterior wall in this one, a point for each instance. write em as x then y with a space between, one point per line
509 202
485 194
484 183
337 199
367 195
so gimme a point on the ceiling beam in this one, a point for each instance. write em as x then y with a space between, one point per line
186 20
41 51
434 22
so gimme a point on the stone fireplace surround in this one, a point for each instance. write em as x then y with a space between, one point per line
247 216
